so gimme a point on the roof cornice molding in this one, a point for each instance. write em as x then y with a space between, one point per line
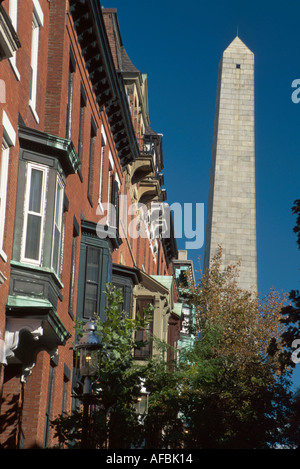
107 84
57 147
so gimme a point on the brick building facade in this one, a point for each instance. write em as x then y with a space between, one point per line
80 173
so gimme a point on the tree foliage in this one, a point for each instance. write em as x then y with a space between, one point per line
117 387
230 389
291 319
247 326
296 211
291 313
238 390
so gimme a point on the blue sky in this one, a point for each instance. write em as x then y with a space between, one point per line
179 46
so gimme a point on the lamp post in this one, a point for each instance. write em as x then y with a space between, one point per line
89 347
143 399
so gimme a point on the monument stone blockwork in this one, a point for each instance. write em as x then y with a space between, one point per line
231 214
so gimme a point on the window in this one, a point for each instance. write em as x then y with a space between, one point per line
34 213
73 265
49 403
103 144
81 121
64 396
113 195
110 172
9 40
91 161
72 277
13 13
44 165
3 188
91 281
37 22
57 227
144 335
9 139
94 272
72 66
125 278
115 185
35 204
65 390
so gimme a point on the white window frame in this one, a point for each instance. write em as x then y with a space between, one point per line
37 22
9 140
109 189
103 145
117 202
59 225
13 13
70 102
3 191
44 170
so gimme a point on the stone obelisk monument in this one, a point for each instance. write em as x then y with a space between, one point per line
231 212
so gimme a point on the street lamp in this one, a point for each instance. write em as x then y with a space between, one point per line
142 400
89 347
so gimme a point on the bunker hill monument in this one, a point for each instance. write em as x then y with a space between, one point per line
231 211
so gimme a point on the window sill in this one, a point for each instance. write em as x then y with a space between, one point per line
80 174
34 267
15 69
100 209
90 200
2 277
3 255
34 113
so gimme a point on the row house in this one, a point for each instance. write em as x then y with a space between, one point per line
155 248
80 184
183 272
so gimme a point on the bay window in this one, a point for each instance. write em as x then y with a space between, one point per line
45 162
41 201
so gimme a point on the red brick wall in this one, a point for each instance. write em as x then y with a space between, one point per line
17 102
56 37
58 65
11 411
111 34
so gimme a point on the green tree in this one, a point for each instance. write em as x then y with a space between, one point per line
291 313
117 387
163 424
237 391
290 342
231 388
296 211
